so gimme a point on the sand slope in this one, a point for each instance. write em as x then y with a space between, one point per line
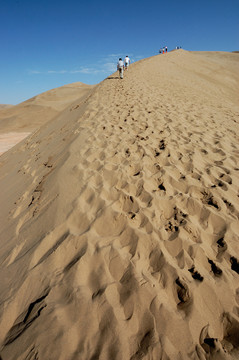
17 122
119 220
5 106
33 113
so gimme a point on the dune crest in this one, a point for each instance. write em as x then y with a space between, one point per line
5 106
119 227
17 122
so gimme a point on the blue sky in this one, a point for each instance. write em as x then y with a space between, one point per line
45 44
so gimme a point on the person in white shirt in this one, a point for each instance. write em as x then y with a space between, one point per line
120 67
126 62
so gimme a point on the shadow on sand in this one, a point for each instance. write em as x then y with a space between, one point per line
112 78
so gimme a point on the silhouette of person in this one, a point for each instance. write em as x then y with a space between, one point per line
126 62
120 67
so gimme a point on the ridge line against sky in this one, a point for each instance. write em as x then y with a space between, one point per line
100 67
52 43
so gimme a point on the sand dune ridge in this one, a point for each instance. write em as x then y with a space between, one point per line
119 232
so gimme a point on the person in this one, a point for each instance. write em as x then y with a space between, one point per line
166 49
120 67
126 62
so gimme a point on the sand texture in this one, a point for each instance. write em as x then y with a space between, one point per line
5 106
17 122
119 219
33 113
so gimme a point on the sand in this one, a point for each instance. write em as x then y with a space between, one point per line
17 122
119 219
8 140
5 106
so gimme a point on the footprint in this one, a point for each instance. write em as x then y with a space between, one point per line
207 343
237 296
209 200
161 187
183 293
230 206
215 269
147 341
162 145
221 248
234 264
156 260
226 178
231 330
26 318
195 274
179 216
171 228
129 239
221 184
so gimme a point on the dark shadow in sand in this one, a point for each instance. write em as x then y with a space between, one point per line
112 78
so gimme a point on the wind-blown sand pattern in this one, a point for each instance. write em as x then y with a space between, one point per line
119 220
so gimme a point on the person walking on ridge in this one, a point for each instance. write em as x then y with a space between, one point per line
120 67
126 62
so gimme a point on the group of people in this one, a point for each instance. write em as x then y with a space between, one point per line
123 65
163 50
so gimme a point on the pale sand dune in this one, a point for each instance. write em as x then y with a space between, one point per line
33 113
119 220
17 122
8 140
5 106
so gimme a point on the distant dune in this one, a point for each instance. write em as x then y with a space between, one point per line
31 114
119 216
5 106
17 122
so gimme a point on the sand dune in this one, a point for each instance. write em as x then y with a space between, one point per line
5 106
17 122
33 113
119 220
9 139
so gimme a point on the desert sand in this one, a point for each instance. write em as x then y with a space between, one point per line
119 218
5 106
17 122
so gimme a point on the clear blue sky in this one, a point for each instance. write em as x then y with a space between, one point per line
45 44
